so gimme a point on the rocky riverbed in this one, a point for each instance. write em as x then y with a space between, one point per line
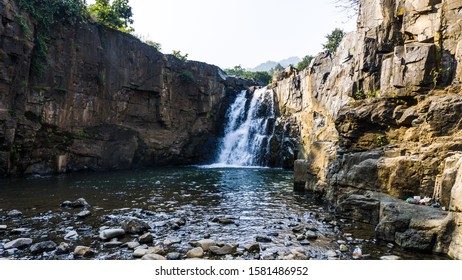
173 214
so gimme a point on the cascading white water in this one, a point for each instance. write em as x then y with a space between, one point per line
249 130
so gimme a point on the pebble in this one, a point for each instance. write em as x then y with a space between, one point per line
153 257
79 203
63 248
139 252
225 221
252 247
331 254
304 243
71 235
343 248
311 235
3 227
20 230
14 213
225 250
300 237
390 258
41 247
111 233
173 256
132 245
18 243
263 239
84 251
390 245
146 238
83 214
205 244
169 242
113 244
197 252
135 226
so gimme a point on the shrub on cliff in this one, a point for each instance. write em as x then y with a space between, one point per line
305 62
333 40
260 77
117 15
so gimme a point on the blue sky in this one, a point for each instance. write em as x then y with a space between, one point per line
238 32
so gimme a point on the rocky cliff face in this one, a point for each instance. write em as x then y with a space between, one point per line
380 121
105 101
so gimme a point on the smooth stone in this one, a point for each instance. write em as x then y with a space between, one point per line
297 229
63 248
169 242
84 251
79 203
41 247
343 248
205 244
173 256
197 252
146 238
304 243
331 254
341 242
300 237
225 221
14 213
71 235
390 258
140 252
252 247
113 244
135 226
3 227
153 257
20 230
18 243
225 250
132 245
263 239
180 221
311 235
111 233
83 214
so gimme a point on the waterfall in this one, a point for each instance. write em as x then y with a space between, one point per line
249 130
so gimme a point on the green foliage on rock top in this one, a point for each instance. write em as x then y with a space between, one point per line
304 63
117 15
180 56
333 40
260 77
46 13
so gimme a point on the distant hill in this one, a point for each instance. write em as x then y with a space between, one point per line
271 64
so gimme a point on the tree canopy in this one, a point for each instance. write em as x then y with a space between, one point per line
238 71
333 40
305 62
117 15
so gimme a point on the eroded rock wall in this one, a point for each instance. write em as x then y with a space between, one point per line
104 101
380 121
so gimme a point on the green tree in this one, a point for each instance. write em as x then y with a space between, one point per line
260 77
178 55
117 15
305 62
333 40
155 45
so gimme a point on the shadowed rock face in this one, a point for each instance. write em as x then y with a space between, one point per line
105 101
382 116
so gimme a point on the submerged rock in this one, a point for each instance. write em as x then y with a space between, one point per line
135 226
14 213
41 247
18 243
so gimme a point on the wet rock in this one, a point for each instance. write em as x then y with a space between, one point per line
111 233
331 254
197 252
304 243
179 221
153 257
14 213
41 247
298 229
263 239
146 238
252 247
135 226
343 248
300 237
83 214
205 244
63 248
169 242
311 235
225 221
113 244
79 203
140 252
132 245
84 251
225 250
173 256
3 227
20 230
390 258
18 243
71 235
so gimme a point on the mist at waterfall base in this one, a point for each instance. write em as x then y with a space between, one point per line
249 132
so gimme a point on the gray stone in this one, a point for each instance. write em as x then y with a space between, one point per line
146 238
41 247
197 252
18 243
20 230
63 248
71 235
331 254
3 227
173 256
390 258
153 257
113 244
252 247
79 203
111 233
169 242
84 251
14 213
311 235
263 239
343 248
132 245
205 244
225 250
83 214
135 226
140 252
